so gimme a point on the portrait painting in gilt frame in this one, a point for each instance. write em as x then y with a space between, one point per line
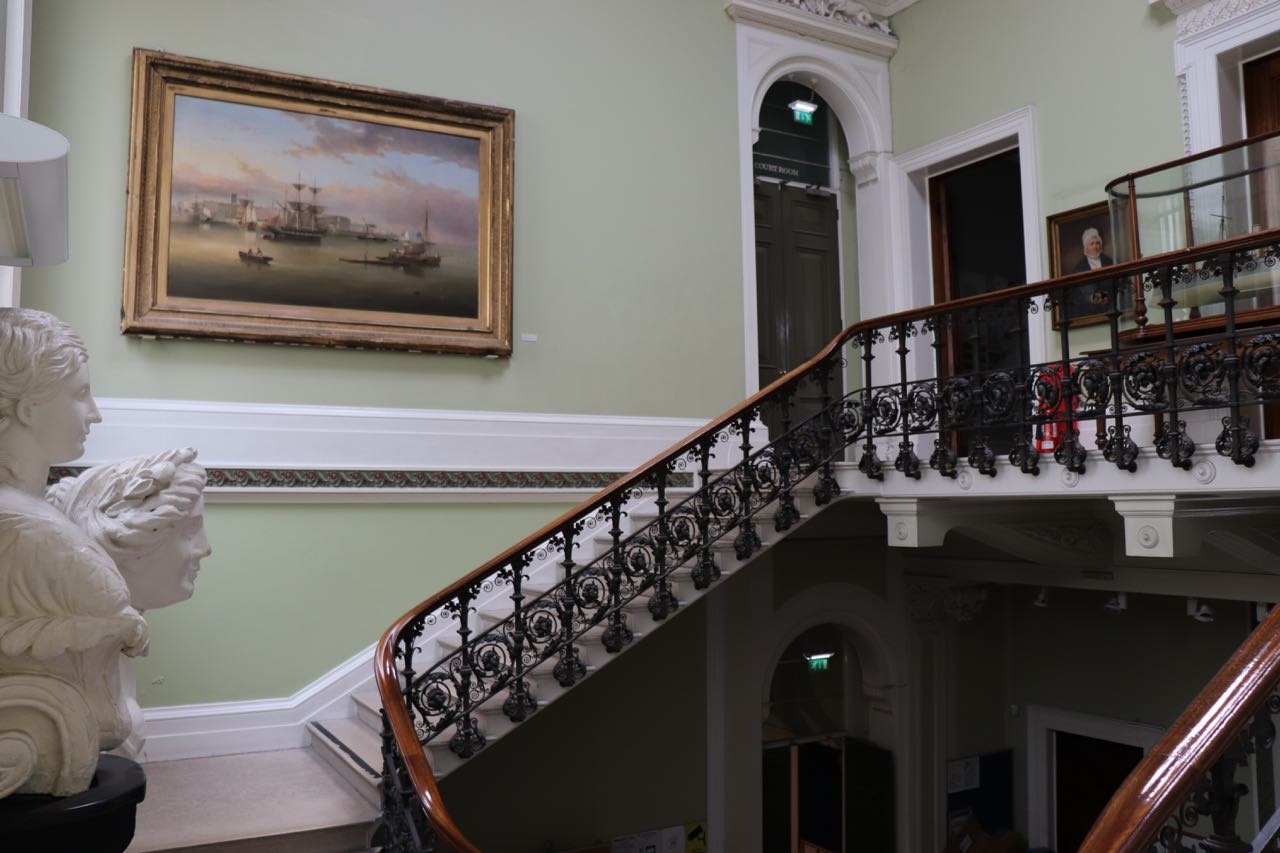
271 207
1080 240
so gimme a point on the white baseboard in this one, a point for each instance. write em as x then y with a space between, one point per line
261 725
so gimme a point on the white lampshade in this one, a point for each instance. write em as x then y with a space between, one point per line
33 194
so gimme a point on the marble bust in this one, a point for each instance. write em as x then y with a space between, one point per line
147 513
65 611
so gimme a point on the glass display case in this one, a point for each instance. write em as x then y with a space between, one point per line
1228 192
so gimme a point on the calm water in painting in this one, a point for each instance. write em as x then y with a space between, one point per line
204 264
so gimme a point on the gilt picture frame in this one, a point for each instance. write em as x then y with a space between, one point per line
1067 255
265 206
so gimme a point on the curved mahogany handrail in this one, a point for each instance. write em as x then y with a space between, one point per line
388 679
1166 777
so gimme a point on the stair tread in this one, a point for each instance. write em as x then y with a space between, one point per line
353 739
197 803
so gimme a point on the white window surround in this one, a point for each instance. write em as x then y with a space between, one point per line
1214 38
910 194
850 70
1042 722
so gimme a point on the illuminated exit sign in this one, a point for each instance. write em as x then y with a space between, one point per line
802 111
820 661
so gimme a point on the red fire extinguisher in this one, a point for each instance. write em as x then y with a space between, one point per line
1052 432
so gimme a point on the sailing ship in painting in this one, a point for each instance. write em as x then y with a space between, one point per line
301 221
411 256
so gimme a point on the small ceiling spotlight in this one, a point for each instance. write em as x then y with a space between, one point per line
1199 611
1042 598
819 661
1117 603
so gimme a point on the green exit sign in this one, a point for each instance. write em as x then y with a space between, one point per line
820 661
802 111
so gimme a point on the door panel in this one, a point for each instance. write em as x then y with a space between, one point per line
797 283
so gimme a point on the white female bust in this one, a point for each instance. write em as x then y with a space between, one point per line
65 613
147 513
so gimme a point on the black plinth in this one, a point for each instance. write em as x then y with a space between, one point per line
98 821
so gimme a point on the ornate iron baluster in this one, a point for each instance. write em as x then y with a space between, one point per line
870 463
1025 454
747 540
569 669
706 572
1235 440
943 460
1119 448
520 702
1069 453
784 452
825 488
981 456
467 740
616 634
1172 443
907 462
663 602
403 827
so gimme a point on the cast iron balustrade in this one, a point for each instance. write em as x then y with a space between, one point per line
893 422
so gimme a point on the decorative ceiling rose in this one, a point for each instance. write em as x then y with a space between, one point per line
844 11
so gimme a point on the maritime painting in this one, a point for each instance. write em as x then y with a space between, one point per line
281 207
303 210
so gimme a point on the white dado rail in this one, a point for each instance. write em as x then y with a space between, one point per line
257 452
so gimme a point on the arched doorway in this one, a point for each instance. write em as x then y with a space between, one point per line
802 201
854 85
827 787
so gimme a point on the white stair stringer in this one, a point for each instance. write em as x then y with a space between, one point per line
353 752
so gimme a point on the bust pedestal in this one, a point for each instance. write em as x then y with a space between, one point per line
99 820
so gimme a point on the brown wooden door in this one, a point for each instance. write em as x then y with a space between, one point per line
797 281
977 244
1262 115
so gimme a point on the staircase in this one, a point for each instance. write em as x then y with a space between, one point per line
352 746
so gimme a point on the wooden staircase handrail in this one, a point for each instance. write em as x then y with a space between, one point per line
1165 778
386 676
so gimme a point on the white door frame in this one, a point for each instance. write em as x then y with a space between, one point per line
855 84
911 188
1042 722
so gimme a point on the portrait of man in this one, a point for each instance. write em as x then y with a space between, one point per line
1079 242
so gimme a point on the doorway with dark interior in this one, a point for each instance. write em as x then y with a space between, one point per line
797 238
977 244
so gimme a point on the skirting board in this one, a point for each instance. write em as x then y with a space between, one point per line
229 728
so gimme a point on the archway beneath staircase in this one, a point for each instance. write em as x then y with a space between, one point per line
825 783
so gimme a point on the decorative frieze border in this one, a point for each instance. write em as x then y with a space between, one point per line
275 453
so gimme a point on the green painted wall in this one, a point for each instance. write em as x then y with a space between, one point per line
627 266
1103 85
627 236
292 591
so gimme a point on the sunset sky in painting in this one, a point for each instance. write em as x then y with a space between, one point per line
376 173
